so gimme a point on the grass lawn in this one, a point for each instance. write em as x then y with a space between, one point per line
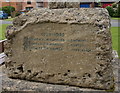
116 18
115 38
2 30
10 19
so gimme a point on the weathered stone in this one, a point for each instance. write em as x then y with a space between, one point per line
61 46
56 5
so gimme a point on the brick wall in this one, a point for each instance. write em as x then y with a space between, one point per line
25 4
46 4
18 5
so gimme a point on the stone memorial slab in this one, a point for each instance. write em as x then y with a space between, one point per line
61 46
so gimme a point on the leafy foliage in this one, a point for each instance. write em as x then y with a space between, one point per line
114 5
114 10
8 9
110 10
118 10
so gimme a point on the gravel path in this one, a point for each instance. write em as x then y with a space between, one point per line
5 22
115 23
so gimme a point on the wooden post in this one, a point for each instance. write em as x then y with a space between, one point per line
2 45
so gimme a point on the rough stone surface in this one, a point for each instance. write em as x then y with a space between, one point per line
61 46
9 84
56 5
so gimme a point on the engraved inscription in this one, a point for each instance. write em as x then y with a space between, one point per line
46 41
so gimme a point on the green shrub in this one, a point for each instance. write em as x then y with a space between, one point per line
8 9
117 12
114 5
110 10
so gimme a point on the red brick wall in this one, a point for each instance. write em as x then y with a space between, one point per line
24 4
17 5
46 4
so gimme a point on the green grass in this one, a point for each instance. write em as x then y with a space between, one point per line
10 19
116 18
2 31
115 38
